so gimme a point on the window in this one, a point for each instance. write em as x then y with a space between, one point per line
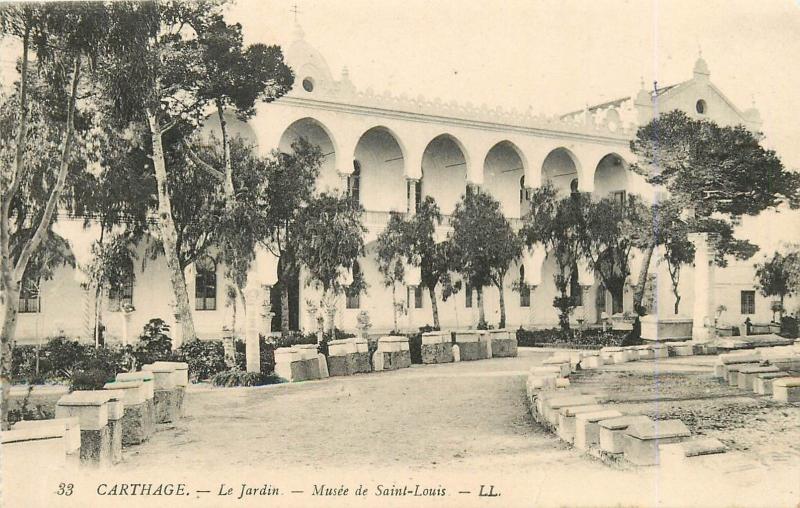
120 295
308 84
701 107
573 186
748 302
205 280
354 297
619 197
524 289
29 296
575 290
355 182
468 297
417 294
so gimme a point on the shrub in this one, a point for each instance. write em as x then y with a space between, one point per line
266 352
789 328
63 356
236 377
593 337
91 379
154 343
24 367
204 357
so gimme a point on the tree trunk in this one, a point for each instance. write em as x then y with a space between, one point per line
285 326
394 307
638 295
677 301
169 235
434 308
10 308
481 311
502 307
226 154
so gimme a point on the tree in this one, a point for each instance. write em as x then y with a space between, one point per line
712 172
779 276
558 225
484 246
391 252
672 235
62 38
432 257
330 240
291 178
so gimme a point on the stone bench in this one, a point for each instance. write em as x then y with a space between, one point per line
503 343
747 375
91 408
566 420
587 430
134 419
181 381
762 385
680 348
345 359
32 450
612 431
148 390
641 440
437 347
551 406
472 345
786 389
612 355
721 367
676 456
315 367
165 392
295 365
393 353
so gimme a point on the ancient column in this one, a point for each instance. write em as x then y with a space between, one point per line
257 314
704 299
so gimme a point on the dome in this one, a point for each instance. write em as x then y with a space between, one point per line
310 68
701 67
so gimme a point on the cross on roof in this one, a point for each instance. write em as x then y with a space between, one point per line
294 10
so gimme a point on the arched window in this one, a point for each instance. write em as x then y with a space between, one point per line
120 293
524 289
354 297
355 182
205 284
29 301
575 290
573 186
468 297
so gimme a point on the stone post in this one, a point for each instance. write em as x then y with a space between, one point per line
126 325
411 192
91 408
704 302
257 313
177 330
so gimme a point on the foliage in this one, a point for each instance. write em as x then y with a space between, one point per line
391 251
266 353
789 327
154 343
779 276
204 357
236 377
592 338
483 245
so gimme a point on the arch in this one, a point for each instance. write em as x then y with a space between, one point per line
379 157
445 168
610 176
560 167
234 127
120 292
503 167
320 135
29 295
205 283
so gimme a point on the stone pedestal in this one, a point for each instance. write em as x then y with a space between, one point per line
786 389
641 441
612 431
393 353
134 418
148 392
180 378
504 343
32 450
437 347
289 365
471 345
655 328
762 385
165 397
704 309
91 409
347 357
567 422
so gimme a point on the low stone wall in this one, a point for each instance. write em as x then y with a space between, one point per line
38 400
437 347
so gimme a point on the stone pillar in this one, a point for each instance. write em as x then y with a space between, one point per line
177 330
258 323
165 392
703 329
134 419
91 408
126 325
411 195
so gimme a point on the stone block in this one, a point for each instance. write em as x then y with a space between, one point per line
323 366
90 407
612 431
561 363
657 328
135 424
134 392
456 353
747 375
471 344
645 352
591 362
641 440
566 420
551 406
631 354
762 385
309 355
587 431
786 389
33 449
504 343
166 406
677 456
680 348
180 373
610 354
289 365
733 372
71 425
144 376
164 376
660 351
437 347
393 353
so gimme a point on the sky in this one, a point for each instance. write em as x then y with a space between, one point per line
553 56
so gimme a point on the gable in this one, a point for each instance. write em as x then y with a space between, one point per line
715 106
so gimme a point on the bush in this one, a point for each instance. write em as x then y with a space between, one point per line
91 379
593 337
24 368
789 328
236 377
204 357
266 352
154 343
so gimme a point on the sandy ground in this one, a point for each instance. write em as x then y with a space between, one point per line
455 428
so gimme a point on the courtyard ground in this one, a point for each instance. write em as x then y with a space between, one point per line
458 427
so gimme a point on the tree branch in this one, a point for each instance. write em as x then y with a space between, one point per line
218 175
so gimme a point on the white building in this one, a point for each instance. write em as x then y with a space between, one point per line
395 150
